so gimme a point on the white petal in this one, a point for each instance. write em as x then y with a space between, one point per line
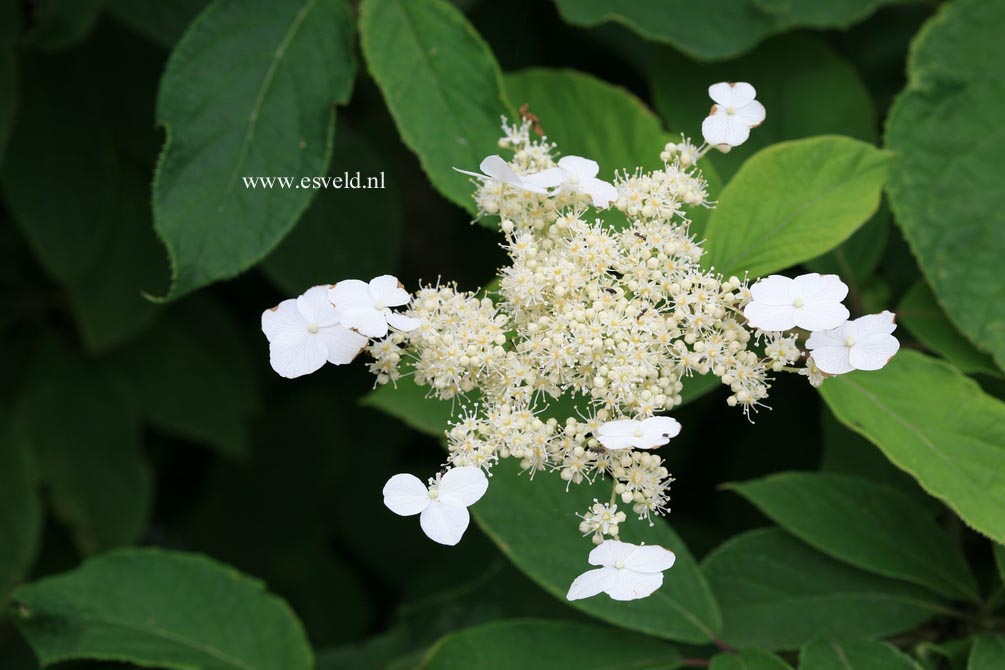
296 354
631 585
350 293
386 290
283 318
580 167
619 428
366 321
650 441
406 495
736 131
732 94
773 290
315 307
592 582
820 315
343 344
713 128
815 287
545 178
473 174
610 552
753 113
444 523
872 324
834 360
401 322
600 191
650 558
770 317
615 442
873 352
664 426
463 486
497 168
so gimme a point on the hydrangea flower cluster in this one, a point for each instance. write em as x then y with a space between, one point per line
570 363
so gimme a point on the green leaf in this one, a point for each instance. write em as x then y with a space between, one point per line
20 509
534 523
441 83
10 22
711 30
161 609
938 425
161 22
82 430
988 653
859 655
192 377
61 24
751 659
538 644
778 593
794 201
814 14
952 211
871 526
920 313
81 203
409 403
248 92
792 74
344 233
573 107
999 554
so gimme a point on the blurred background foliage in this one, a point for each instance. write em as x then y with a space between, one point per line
128 421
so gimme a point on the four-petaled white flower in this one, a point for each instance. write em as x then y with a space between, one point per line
734 113
577 174
811 302
648 434
366 308
443 506
497 169
627 572
863 344
305 332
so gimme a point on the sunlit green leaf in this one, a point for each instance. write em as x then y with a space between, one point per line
938 425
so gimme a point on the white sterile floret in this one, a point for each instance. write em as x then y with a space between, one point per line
442 506
580 175
810 301
496 169
863 344
305 332
627 572
734 113
366 308
648 434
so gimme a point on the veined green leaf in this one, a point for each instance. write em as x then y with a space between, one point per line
871 526
441 83
860 655
750 659
945 182
938 425
161 609
249 91
778 593
792 202
920 313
